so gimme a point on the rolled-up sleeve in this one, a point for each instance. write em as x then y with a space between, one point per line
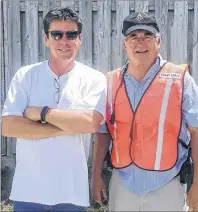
103 129
190 101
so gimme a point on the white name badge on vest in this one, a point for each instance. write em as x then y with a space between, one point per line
170 75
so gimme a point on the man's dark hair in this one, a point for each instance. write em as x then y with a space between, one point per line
65 14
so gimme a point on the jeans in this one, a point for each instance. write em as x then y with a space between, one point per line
35 207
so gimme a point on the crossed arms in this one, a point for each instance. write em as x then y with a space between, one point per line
21 121
59 123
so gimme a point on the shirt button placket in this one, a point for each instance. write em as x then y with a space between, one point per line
47 208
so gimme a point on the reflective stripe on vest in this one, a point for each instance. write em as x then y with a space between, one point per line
109 99
162 120
126 150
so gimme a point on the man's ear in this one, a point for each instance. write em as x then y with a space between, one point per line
158 42
124 44
80 36
46 39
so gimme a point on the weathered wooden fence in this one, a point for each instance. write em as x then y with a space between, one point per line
102 47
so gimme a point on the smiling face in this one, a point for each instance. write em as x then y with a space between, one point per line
142 47
63 48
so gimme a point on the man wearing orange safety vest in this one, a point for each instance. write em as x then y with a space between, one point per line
151 120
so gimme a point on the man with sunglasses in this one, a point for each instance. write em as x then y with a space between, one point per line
152 108
49 107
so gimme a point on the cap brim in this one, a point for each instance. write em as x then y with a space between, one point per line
141 27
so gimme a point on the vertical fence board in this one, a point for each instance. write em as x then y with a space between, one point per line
141 6
47 5
16 54
31 36
12 39
23 34
113 40
41 44
85 13
190 38
180 32
16 36
132 5
195 43
2 76
101 47
24 58
7 45
161 13
95 42
169 35
65 3
85 53
122 10
1 55
104 36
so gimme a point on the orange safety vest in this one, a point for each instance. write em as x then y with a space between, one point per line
148 136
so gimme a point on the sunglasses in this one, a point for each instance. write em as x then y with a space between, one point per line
58 35
57 93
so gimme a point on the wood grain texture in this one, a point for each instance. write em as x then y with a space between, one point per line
195 43
2 77
141 6
65 3
122 10
161 14
102 39
85 13
180 32
151 4
31 34
12 50
104 36
47 6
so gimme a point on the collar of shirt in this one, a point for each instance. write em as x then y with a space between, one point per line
62 77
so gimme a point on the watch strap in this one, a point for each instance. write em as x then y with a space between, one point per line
43 114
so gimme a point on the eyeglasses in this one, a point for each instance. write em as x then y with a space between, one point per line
135 39
57 93
58 35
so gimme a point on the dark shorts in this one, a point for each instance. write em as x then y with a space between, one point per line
31 207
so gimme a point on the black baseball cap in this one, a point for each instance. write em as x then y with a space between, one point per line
140 21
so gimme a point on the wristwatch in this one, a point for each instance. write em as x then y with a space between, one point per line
43 114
